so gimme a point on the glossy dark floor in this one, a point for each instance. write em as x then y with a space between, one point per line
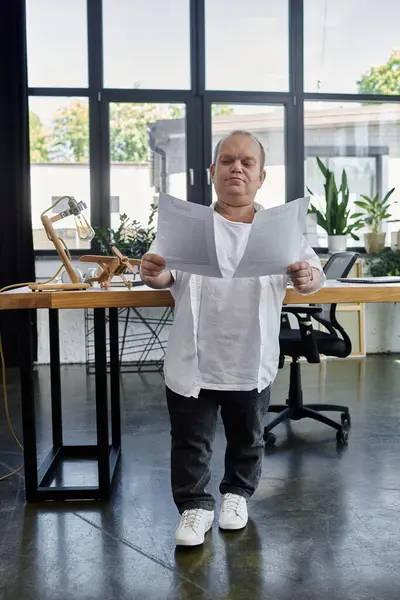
324 524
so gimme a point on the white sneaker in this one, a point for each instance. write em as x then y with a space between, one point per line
233 513
193 526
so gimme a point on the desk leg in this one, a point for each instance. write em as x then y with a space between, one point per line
55 379
103 449
28 404
38 482
114 379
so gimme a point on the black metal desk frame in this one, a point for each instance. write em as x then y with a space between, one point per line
38 479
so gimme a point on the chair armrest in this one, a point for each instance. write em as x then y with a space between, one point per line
311 351
302 310
310 346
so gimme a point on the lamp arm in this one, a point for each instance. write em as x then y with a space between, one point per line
57 217
51 234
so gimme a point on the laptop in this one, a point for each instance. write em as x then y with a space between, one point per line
388 279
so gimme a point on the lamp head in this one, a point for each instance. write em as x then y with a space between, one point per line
76 207
85 232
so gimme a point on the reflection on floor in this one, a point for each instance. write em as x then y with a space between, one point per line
324 523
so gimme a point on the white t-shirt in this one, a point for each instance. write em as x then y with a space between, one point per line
229 329
181 367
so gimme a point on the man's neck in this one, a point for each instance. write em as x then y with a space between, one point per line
239 214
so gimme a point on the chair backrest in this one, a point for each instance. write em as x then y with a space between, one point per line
338 265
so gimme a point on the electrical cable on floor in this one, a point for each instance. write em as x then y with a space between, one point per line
3 362
6 406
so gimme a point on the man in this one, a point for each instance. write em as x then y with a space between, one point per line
223 349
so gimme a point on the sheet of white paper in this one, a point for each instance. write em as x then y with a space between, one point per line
275 240
185 236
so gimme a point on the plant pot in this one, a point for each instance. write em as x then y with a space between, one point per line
374 242
337 243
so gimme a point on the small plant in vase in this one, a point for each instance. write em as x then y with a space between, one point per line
375 211
335 219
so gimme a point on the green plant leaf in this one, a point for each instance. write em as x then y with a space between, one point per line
361 204
386 198
357 224
322 167
321 220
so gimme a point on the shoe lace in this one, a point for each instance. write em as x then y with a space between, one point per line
191 518
231 502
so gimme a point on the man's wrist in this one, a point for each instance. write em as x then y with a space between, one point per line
312 285
163 281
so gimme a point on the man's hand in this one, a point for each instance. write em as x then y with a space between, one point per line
152 272
301 275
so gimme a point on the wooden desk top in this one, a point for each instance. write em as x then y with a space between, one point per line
332 292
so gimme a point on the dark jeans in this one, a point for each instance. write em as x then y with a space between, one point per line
193 424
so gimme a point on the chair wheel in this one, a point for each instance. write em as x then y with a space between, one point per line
342 437
269 438
346 419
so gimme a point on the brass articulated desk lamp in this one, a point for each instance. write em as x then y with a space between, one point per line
110 266
85 232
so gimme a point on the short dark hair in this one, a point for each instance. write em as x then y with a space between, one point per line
240 132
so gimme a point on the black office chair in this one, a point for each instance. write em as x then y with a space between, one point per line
310 343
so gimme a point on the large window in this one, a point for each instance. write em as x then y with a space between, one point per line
267 124
146 44
57 43
247 45
147 156
363 139
59 149
352 46
129 98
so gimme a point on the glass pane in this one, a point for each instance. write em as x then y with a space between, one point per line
267 124
148 156
343 51
146 44
57 43
363 139
247 48
59 146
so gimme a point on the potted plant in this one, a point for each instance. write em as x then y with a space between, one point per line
335 219
375 210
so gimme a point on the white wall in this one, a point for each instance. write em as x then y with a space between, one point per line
131 182
382 328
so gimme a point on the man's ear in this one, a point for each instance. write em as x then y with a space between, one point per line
262 178
212 170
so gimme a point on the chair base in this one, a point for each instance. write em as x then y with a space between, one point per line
294 409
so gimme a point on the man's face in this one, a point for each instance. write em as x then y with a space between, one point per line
237 173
